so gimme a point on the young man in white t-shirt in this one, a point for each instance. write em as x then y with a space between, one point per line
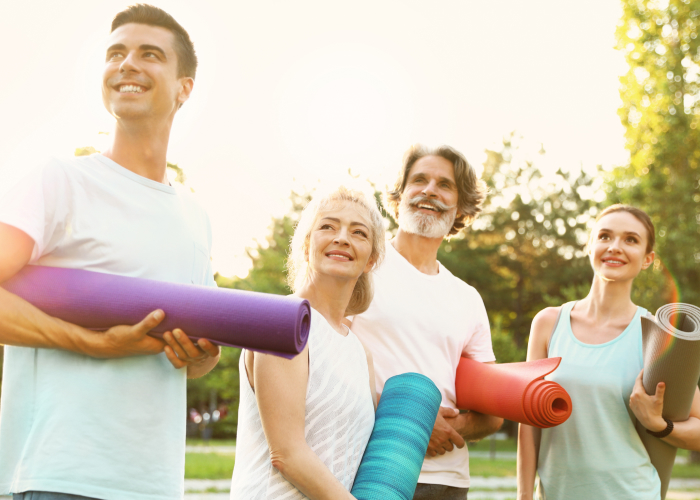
423 318
102 414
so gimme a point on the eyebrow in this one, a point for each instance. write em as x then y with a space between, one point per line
355 223
143 47
626 232
441 179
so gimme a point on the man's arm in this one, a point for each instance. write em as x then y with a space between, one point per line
22 324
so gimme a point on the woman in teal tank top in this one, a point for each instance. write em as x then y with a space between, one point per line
597 453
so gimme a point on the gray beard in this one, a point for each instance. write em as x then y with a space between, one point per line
426 225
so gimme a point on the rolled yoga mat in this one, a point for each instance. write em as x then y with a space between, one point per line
261 322
403 424
671 346
515 391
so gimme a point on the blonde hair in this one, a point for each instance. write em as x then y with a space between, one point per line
297 265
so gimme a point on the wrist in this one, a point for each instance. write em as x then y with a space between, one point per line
661 429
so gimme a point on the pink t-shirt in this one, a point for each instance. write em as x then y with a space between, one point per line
424 323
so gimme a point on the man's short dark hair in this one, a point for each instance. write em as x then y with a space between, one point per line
153 16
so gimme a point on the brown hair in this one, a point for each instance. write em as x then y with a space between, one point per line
639 214
153 16
471 190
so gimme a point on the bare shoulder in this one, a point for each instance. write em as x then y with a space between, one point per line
540 332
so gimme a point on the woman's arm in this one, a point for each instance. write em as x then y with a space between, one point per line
648 410
280 391
528 436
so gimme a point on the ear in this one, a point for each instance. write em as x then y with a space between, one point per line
370 265
648 259
186 86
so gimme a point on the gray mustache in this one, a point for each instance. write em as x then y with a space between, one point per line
424 199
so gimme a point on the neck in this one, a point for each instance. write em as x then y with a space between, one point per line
420 251
329 296
141 148
608 300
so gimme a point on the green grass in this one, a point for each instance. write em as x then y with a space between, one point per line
208 466
491 468
211 442
220 466
485 445
686 471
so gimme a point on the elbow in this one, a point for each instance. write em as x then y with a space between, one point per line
496 424
282 460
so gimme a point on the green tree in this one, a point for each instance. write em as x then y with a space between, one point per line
661 114
525 251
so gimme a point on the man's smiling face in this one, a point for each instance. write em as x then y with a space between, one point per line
429 201
140 79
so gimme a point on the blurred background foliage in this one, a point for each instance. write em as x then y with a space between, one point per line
526 251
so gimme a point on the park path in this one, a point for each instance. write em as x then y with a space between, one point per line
482 488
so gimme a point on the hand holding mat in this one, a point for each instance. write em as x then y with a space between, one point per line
671 345
403 423
261 322
516 391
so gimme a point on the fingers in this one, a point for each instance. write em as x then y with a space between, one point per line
172 357
457 439
150 322
211 349
444 411
660 390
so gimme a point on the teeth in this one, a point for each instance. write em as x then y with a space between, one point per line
614 262
131 88
426 206
336 255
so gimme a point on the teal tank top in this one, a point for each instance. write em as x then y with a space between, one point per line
597 453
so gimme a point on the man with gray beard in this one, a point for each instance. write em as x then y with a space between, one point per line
422 318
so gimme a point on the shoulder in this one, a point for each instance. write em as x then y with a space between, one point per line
540 332
368 354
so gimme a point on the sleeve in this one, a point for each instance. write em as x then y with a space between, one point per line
25 207
479 346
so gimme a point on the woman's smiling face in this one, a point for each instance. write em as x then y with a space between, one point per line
617 247
340 243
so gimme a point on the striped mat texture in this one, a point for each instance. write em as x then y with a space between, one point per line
394 456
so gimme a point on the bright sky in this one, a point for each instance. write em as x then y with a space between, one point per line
290 92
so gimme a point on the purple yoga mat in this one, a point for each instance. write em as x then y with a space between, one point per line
262 322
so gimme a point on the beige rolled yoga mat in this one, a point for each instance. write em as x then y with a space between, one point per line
671 344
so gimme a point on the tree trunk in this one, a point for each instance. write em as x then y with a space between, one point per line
694 457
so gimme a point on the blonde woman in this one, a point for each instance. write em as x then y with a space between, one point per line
304 423
597 452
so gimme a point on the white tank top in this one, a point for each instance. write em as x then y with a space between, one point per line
338 422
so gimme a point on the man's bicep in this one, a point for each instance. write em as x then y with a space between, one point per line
15 250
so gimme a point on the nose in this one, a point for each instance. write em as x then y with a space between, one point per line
429 189
129 64
614 245
341 237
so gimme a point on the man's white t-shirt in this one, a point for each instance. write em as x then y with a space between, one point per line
424 323
106 428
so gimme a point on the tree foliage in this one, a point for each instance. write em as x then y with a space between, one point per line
525 251
661 114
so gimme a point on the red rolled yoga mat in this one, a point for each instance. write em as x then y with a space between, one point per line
515 391
272 324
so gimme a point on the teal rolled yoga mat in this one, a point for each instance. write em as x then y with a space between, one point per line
394 455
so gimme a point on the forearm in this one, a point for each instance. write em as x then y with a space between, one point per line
685 434
200 369
304 469
476 426
22 324
528 451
